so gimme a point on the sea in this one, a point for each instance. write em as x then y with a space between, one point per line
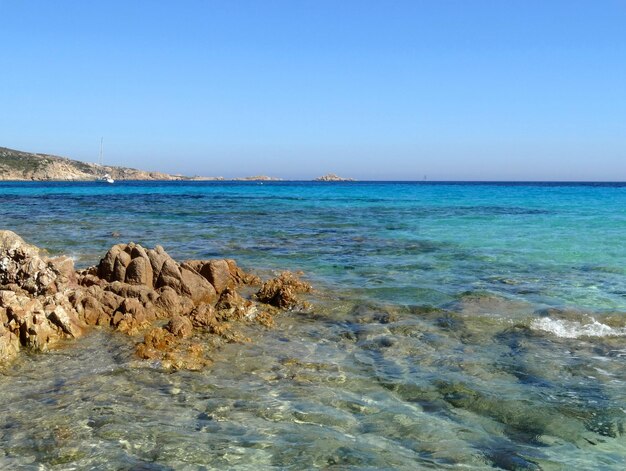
463 326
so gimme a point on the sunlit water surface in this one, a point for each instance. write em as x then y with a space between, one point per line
455 326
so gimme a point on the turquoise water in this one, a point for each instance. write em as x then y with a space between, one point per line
465 326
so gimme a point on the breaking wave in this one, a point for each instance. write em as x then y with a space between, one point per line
573 329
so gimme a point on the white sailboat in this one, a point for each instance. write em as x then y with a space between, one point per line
106 177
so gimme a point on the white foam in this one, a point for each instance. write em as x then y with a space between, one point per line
573 329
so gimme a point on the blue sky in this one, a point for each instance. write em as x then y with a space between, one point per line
451 89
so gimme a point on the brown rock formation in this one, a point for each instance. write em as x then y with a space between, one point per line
282 291
43 300
22 266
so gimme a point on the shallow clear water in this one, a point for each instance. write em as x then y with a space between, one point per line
456 326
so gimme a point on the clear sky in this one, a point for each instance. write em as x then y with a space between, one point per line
388 89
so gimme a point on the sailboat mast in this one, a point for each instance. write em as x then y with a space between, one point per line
101 140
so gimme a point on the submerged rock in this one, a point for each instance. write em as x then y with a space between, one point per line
165 347
44 300
180 326
282 291
232 306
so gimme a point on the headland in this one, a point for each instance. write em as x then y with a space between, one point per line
16 165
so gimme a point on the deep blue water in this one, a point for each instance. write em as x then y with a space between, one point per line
504 308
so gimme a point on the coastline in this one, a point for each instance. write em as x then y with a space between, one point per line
27 166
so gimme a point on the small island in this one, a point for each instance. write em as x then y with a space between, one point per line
331 177
257 178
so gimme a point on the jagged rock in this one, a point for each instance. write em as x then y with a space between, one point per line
134 308
107 301
7 298
66 321
282 291
36 333
240 276
131 317
9 344
206 318
64 266
93 312
13 243
203 317
38 326
127 263
22 265
233 306
87 279
180 326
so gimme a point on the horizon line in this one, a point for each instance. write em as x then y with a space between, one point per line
352 181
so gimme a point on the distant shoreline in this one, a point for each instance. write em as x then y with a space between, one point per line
287 181
18 166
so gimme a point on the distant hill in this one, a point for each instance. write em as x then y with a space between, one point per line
18 165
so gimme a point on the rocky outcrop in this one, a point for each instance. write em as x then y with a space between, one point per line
35 311
331 177
22 266
282 291
18 166
135 291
